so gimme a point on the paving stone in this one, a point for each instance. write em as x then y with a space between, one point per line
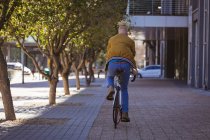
161 112
159 109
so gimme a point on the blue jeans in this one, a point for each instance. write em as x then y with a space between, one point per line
112 67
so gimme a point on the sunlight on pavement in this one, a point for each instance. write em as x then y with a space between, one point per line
31 99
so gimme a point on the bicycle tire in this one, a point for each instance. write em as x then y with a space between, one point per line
116 110
115 117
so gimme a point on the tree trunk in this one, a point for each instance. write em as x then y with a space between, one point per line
77 79
7 100
66 84
92 77
5 90
87 79
52 93
76 71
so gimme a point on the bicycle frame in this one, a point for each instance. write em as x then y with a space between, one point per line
117 87
117 104
117 108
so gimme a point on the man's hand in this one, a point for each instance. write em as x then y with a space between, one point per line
135 71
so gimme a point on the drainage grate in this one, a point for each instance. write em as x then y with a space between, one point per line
84 94
95 85
70 104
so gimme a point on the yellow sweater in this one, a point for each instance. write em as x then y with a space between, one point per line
121 45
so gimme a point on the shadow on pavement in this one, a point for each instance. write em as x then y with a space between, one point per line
156 82
73 113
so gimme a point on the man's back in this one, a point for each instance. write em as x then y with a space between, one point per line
121 45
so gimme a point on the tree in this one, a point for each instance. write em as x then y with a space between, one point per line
82 48
7 8
95 37
66 63
78 58
53 24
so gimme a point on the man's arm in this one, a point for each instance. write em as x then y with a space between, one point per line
133 48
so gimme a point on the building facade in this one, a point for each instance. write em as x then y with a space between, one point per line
199 44
161 27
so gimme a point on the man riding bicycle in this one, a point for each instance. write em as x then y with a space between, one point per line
120 56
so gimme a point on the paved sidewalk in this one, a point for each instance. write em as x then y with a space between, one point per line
159 110
70 119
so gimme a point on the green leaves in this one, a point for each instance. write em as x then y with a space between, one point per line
57 23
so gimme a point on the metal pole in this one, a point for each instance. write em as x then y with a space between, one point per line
157 44
23 64
162 53
128 8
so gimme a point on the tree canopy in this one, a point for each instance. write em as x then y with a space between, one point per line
58 24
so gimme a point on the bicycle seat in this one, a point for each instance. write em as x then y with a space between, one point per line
119 71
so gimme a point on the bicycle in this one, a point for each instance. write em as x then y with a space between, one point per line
117 106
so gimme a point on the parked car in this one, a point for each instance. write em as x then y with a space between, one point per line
151 71
17 66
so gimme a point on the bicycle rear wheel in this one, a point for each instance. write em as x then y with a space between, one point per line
116 116
116 110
